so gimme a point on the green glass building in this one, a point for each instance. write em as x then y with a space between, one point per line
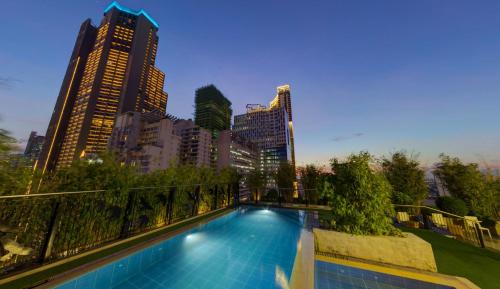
212 110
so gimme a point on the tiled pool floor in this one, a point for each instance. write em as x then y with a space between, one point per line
336 276
249 248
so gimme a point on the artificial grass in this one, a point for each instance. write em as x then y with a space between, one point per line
41 277
453 257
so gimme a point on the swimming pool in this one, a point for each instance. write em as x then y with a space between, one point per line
336 276
248 248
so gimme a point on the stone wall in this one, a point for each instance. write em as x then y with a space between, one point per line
408 251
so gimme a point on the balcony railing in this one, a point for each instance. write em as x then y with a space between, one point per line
41 228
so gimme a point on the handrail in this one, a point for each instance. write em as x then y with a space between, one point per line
96 191
430 208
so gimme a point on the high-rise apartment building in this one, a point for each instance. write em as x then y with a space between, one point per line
270 128
111 71
212 110
145 140
196 143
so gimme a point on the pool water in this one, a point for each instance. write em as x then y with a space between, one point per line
248 248
336 276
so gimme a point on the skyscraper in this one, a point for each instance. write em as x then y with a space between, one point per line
111 71
284 99
270 128
212 110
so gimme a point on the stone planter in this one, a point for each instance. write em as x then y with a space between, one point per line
408 251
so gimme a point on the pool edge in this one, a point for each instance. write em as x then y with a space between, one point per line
303 266
431 277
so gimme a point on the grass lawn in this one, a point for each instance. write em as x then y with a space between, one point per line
453 257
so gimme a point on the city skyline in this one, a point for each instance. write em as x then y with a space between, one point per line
409 87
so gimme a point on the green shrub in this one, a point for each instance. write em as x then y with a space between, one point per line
360 197
452 205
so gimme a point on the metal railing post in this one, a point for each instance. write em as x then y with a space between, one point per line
216 197
51 233
236 194
479 234
126 217
196 200
170 204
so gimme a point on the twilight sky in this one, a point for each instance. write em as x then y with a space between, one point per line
423 76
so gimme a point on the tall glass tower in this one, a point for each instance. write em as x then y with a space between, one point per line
212 110
270 128
111 71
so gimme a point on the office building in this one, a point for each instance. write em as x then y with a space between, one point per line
145 140
283 99
236 152
269 128
111 71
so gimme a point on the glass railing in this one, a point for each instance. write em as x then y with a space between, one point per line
40 228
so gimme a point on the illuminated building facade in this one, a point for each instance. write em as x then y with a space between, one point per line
283 99
111 71
270 128
236 152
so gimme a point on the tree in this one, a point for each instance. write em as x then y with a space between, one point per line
227 177
284 178
309 178
360 197
256 182
452 205
15 174
466 182
6 142
406 178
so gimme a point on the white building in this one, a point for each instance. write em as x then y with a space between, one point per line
146 140
196 143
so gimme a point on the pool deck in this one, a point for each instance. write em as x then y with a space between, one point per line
453 281
303 267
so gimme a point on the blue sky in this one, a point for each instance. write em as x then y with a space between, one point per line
423 76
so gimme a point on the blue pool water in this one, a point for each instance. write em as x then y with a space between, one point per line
336 276
248 248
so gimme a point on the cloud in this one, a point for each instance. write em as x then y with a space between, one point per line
343 138
8 82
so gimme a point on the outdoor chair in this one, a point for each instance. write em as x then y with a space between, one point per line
438 220
472 220
402 217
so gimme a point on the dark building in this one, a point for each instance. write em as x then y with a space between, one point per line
33 147
111 71
212 110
